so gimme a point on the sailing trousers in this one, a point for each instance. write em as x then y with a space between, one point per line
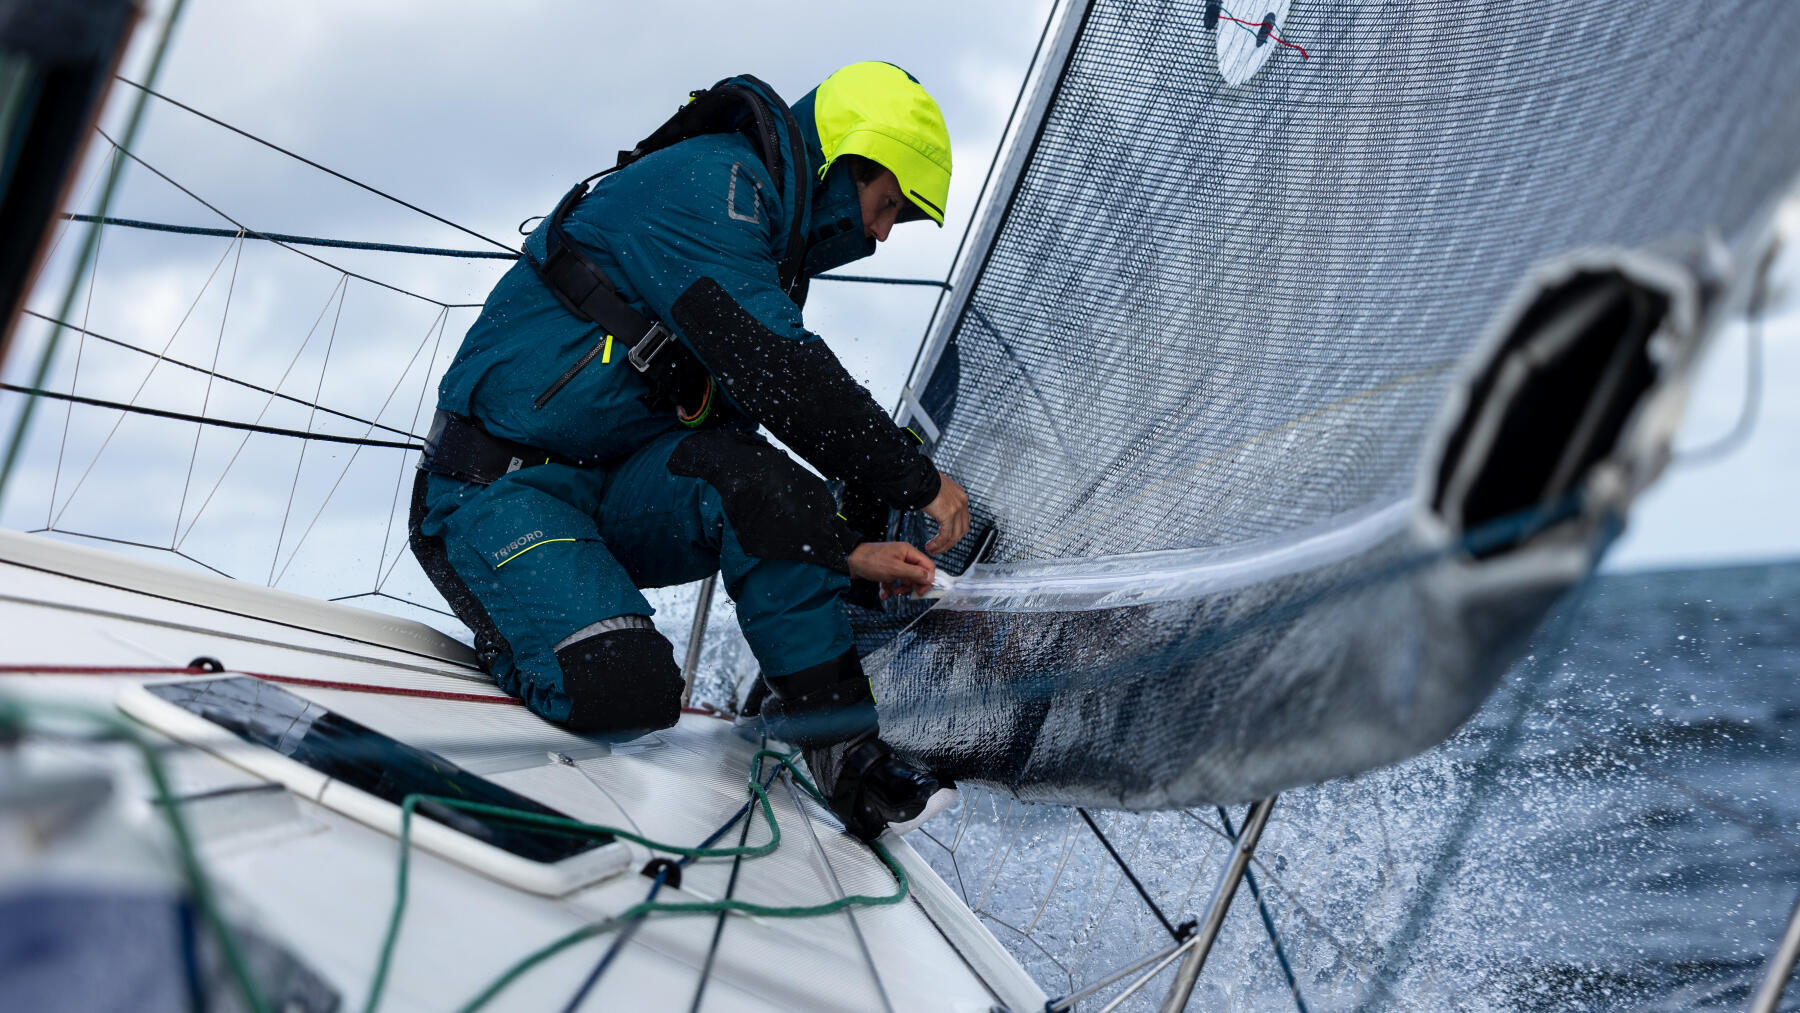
546 554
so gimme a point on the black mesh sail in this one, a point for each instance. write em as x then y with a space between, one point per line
1303 355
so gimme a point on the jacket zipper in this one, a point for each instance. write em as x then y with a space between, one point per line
569 374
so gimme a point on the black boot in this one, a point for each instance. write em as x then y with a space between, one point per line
829 702
829 711
868 785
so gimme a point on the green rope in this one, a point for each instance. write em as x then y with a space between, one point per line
576 828
16 714
90 241
538 956
559 824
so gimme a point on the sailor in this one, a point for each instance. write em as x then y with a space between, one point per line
597 432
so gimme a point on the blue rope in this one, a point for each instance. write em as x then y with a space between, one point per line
662 875
873 280
282 237
1281 956
422 251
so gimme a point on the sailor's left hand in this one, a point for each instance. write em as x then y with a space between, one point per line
951 510
899 567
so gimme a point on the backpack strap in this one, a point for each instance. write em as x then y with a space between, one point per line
579 284
753 109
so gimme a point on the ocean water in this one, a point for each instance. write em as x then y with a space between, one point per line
1617 829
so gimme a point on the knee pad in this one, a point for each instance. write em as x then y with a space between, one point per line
622 681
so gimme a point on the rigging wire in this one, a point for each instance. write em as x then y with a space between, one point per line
206 421
438 323
394 597
146 89
112 540
425 385
187 483
62 443
339 291
253 234
75 380
294 240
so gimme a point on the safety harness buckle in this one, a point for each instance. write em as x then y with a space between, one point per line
649 347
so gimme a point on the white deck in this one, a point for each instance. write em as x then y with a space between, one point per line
323 884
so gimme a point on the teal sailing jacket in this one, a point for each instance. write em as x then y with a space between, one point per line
691 235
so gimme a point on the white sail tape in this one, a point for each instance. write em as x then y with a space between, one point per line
1139 578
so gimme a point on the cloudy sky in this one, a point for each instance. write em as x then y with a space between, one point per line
486 113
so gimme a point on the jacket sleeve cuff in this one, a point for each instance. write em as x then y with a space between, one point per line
916 489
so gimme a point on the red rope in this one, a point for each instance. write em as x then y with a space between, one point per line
1272 35
95 670
363 687
292 680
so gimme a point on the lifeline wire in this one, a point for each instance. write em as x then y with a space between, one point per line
204 420
252 233
202 370
293 240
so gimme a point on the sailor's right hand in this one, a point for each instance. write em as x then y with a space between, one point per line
951 511
898 567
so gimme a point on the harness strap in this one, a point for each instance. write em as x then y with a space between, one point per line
583 289
675 377
457 446
579 283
